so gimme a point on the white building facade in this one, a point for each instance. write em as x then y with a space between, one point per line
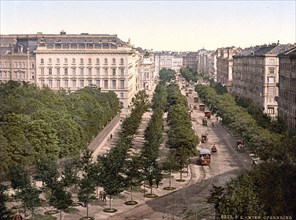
71 62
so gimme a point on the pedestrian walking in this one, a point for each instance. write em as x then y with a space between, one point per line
104 196
101 195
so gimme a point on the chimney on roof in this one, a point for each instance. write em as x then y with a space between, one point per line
63 32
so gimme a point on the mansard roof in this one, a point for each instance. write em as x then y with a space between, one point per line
272 49
29 42
291 53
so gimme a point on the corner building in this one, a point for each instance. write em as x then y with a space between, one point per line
287 88
256 74
72 62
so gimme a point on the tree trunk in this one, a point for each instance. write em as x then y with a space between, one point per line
87 210
170 180
60 214
131 193
110 202
144 189
181 175
25 212
151 189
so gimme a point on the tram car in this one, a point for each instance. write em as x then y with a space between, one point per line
204 157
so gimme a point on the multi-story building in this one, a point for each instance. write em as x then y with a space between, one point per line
163 60
201 61
225 65
72 62
168 60
212 65
190 60
287 88
255 75
177 62
147 72
207 63
17 61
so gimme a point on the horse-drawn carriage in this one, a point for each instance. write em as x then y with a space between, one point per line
204 138
214 149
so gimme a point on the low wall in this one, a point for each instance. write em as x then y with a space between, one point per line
99 141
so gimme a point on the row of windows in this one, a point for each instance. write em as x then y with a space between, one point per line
15 75
74 83
82 71
15 64
82 61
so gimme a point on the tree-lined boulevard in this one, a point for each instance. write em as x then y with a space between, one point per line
150 170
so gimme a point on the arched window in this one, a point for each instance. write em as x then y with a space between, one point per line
89 60
121 61
98 61
73 61
66 61
81 61
105 61
113 61
49 60
42 61
58 61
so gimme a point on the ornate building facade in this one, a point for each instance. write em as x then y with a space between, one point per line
72 62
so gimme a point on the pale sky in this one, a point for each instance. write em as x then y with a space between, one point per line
158 25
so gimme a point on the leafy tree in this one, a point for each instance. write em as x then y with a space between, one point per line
47 171
133 173
152 173
167 74
112 178
87 184
170 165
189 74
238 199
18 177
30 198
60 198
28 195
86 190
